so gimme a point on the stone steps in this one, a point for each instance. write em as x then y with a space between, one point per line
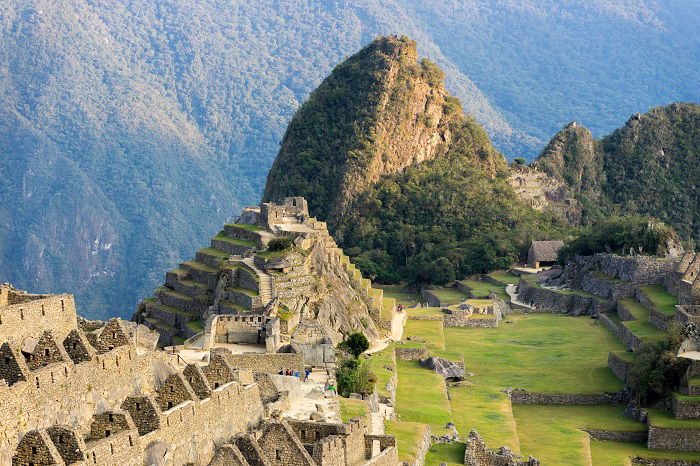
265 281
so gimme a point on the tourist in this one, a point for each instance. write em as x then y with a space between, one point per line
327 386
281 372
296 374
306 374
332 388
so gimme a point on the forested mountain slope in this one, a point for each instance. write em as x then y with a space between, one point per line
650 166
132 129
411 187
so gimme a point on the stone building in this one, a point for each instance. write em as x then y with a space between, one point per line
543 253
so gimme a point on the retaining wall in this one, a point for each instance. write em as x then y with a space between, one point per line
528 398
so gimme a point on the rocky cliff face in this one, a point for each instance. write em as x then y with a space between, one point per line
379 112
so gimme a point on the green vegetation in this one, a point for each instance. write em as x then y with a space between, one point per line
449 296
245 291
239 242
280 244
611 453
350 408
396 292
661 418
483 289
244 227
554 435
656 371
355 376
195 326
664 301
420 396
451 454
618 235
408 438
621 174
430 330
378 362
355 343
504 277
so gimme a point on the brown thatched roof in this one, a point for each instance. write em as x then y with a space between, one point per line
545 251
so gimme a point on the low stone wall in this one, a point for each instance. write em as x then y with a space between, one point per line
619 436
569 303
618 365
662 462
611 289
684 409
389 457
688 314
411 317
430 298
659 319
528 398
269 363
477 453
451 321
410 354
621 332
674 438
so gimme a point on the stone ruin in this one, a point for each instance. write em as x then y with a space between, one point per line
478 454
90 392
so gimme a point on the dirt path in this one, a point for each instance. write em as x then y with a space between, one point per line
397 326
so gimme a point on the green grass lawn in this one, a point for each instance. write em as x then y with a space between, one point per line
377 362
388 308
553 434
483 289
644 330
661 418
449 296
238 242
421 396
245 227
609 453
408 436
424 311
431 330
634 307
488 410
448 453
541 353
504 277
350 408
663 301
401 297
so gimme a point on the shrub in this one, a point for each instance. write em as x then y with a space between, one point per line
619 234
355 344
354 376
656 371
520 161
280 244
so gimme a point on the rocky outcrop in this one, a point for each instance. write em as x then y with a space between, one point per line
446 368
544 192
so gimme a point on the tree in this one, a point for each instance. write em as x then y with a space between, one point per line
355 343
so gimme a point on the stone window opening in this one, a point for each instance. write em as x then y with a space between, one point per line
170 404
172 388
52 380
7 360
47 352
180 416
75 345
138 406
65 370
37 382
61 439
216 384
103 364
43 311
111 448
21 314
110 416
117 361
131 442
33 450
110 347
278 455
107 433
63 306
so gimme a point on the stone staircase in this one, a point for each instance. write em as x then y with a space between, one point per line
265 284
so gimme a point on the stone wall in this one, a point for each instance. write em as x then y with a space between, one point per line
619 436
618 365
674 438
519 396
410 354
684 408
628 338
570 303
477 453
29 319
259 362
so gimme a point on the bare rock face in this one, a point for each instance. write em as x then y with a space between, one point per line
446 368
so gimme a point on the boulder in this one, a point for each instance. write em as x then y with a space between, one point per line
446 368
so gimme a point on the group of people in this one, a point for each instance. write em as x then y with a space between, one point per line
295 373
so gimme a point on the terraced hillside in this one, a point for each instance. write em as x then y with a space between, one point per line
239 274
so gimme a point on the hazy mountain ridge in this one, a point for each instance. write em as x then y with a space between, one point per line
169 115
